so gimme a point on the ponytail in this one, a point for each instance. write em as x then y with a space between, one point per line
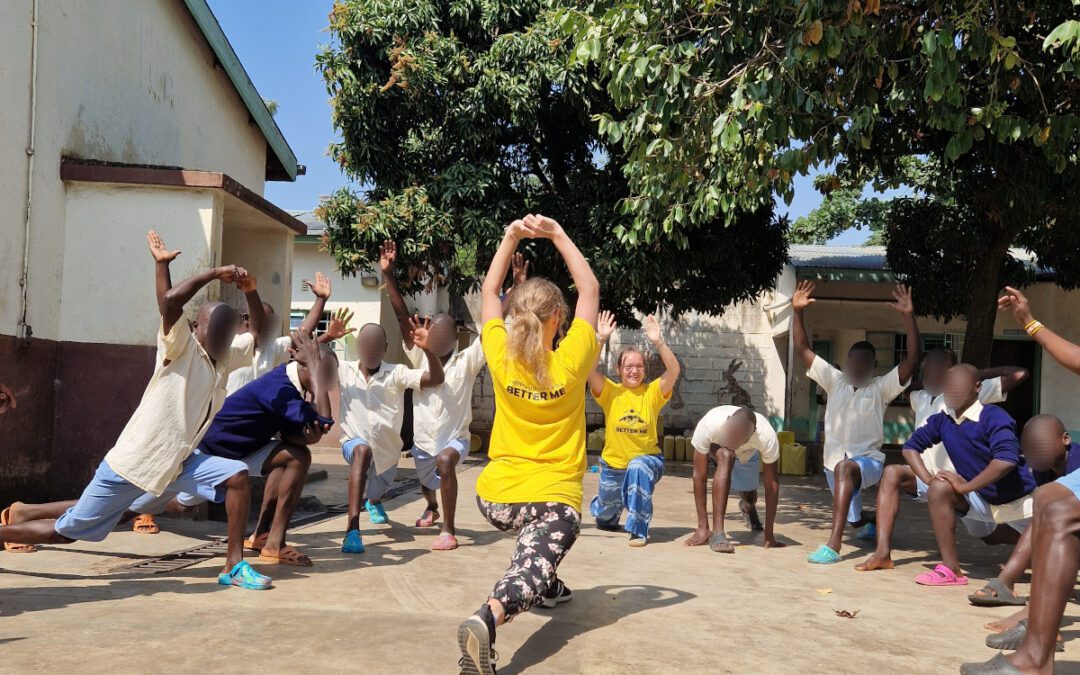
531 305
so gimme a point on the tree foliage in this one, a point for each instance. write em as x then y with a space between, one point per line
458 116
720 105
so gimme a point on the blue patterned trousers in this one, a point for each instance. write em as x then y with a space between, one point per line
630 488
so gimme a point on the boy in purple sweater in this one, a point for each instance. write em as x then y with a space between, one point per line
990 472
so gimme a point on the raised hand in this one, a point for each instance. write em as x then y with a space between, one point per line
803 296
7 399
605 326
320 287
902 295
652 330
387 256
518 230
1017 303
305 350
418 331
520 267
231 274
158 250
244 281
339 325
542 227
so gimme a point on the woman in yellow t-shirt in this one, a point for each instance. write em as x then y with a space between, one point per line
631 464
532 483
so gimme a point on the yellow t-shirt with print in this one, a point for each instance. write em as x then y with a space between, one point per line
630 417
537 449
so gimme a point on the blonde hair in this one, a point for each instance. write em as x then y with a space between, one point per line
532 304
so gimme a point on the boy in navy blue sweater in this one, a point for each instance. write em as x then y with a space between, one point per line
990 472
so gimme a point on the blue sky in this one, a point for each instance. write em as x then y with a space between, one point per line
277 41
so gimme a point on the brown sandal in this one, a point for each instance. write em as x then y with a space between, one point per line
287 555
255 543
144 524
5 519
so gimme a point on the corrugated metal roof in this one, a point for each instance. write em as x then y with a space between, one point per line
314 226
840 257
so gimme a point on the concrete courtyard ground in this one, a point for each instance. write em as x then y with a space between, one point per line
395 609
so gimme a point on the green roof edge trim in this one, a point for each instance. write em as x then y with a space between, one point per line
219 43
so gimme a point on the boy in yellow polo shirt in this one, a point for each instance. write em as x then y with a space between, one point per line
631 464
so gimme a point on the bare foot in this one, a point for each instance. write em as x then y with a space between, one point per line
698 538
875 562
1002 625
15 513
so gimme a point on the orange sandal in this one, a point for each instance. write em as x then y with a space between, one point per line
254 543
5 519
286 556
144 524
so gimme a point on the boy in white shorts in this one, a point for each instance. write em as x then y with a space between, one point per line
733 437
372 411
442 414
928 398
854 415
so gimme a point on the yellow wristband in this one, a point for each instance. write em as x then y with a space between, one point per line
1031 323
1036 329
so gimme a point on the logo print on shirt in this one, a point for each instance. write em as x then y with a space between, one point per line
632 423
521 390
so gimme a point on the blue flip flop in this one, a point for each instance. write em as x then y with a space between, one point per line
868 532
823 556
377 513
243 575
353 543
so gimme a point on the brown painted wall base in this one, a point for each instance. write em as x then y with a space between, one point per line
73 401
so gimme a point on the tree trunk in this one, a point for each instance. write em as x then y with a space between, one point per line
982 307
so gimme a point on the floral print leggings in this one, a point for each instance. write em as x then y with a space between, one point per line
546 531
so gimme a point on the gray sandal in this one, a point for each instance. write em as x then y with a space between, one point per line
1002 596
995 666
718 543
1010 640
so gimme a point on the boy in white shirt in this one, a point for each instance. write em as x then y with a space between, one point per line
441 414
927 398
725 434
155 449
854 414
371 413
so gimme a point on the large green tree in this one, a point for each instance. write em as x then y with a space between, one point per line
458 116
719 105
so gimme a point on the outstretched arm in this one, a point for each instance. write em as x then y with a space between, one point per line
387 257
171 299
671 364
338 326
903 304
588 288
256 314
1063 351
771 476
491 303
604 328
1011 376
519 267
162 277
802 299
418 332
701 491
321 288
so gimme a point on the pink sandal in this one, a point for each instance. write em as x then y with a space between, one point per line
429 519
444 542
941 576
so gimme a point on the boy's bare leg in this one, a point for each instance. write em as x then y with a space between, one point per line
268 508
358 471
21 513
446 462
721 488
237 505
896 479
847 479
290 464
944 503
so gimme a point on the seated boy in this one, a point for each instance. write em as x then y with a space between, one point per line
927 398
155 449
854 415
991 478
372 402
725 434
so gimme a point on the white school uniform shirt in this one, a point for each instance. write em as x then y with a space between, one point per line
442 414
763 440
925 404
854 418
266 359
373 409
185 392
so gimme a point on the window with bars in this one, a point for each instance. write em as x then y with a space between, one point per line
297 316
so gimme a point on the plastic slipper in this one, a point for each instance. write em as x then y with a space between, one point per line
1010 640
718 543
751 519
254 543
353 543
287 555
823 556
5 519
444 542
243 575
996 594
429 518
377 513
995 666
941 576
144 524
868 532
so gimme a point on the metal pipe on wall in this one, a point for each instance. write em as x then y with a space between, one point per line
25 332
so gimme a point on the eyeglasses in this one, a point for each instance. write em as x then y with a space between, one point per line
633 367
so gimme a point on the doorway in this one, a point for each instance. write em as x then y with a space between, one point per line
1022 402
